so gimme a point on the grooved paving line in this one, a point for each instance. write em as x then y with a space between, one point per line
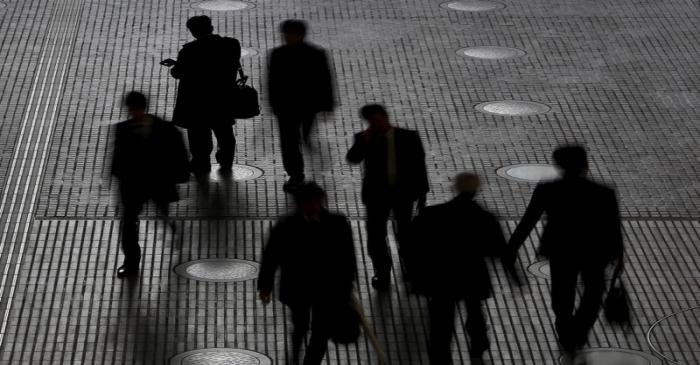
30 154
83 314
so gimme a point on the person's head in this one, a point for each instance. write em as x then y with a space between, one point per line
571 159
200 26
467 183
293 31
310 199
135 103
376 115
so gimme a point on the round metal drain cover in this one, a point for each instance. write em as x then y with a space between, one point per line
222 5
220 356
473 5
513 108
491 52
540 269
218 270
682 326
248 52
531 173
240 173
614 356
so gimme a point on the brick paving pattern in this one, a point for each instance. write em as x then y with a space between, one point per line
619 76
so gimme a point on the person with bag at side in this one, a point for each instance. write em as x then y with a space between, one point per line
445 260
395 179
207 69
300 85
581 237
313 249
149 161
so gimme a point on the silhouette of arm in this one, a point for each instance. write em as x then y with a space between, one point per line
326 83
422 184
358 151
527 223
179 157
495 240
180 69
271 258
273 75
616 240
118 154
348 247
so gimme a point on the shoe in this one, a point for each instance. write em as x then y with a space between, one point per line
225 172
127 271
381 283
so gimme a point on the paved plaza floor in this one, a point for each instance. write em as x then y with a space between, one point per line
620 76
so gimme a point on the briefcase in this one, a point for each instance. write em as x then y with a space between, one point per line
245 99
617 307
345 328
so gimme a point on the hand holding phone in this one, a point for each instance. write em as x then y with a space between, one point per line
169 62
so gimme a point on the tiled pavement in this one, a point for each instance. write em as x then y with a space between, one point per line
620 76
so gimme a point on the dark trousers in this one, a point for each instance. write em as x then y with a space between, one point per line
133 199
574 324
318 317
377 216
294 127
442 327
201 145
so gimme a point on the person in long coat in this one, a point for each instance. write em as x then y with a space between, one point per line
149 160
207 69
313 250
445 261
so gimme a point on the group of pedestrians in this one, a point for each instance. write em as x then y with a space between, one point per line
442 248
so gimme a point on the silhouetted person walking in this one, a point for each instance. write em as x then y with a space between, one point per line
395 178
206 68
300 85
149 160
445 262
582 235
314 251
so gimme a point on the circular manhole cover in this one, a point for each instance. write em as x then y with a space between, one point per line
678 330
220 356
218 270
222 5
473 5
513 108
540 269
614 356
491 52
248 52
240 173
531 173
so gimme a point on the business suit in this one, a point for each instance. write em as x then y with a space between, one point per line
149 160
317 271
581 236
206 68
300 84
383 193
445 262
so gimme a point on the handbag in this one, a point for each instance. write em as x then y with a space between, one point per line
245 98
617 306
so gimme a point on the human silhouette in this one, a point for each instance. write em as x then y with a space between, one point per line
395 178
582 235
445 261
149 160
300 85
206 68
313 249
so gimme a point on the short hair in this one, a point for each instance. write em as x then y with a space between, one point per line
200 25
467 182
293 26
571 158
135 99
372 109
307 191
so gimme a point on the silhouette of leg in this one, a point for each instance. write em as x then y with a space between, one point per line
476 329
132 202
201 146
377 217
226 143
564 276
301 315
591 300
292 159
307 124
318 343
442 321
403 214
